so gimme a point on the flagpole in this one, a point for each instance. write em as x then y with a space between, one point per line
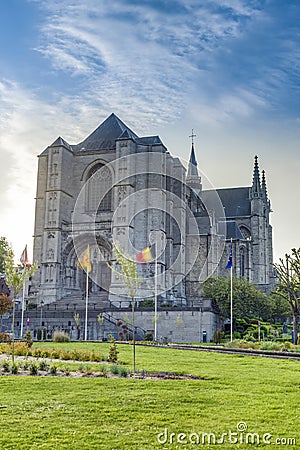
155 299
231 305
86 303
23 307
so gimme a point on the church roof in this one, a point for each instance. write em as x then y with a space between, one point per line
149 140
236 201
233 231
105 136
60 142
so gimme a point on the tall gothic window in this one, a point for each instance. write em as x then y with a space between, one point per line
242 261
99 187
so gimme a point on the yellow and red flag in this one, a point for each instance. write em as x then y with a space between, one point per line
146 255
84 260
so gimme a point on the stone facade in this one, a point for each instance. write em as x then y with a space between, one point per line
118 187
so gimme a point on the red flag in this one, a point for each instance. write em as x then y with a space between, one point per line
24 258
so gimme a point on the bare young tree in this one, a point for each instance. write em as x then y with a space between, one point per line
288 272
126 271
15 278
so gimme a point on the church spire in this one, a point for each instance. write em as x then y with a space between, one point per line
192 170
193 179
264 185
256 186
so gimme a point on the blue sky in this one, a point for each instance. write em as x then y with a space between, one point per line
229 69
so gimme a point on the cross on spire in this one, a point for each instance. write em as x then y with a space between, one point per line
192 136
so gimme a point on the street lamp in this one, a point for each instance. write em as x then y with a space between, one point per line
41 304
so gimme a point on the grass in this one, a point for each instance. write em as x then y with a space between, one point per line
117 414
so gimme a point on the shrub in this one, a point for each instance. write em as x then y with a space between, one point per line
26 365
43 365
82 367
148 336
5 337
14 368
65 355
217 337
95 356
37 352
269 345
148 303
67 370
103 370
21 349
39 334
6 366
88 371
113 353
33 368
61 336
114 369
53 369
44 334
123 372
28 339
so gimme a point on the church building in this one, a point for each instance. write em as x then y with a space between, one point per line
116 187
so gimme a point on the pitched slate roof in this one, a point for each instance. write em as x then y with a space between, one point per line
60 142
104 137
233 231
236 201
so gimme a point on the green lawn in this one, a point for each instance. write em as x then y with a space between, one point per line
129 414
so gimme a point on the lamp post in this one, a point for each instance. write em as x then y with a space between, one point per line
41 304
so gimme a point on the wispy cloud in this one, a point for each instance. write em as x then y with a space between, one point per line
147 55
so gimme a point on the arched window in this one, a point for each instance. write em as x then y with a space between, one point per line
242 261
99 187
245 232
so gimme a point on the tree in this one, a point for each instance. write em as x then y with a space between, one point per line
77 323
126 271
100 320
288 273
248 301
15 277
5 305
4 252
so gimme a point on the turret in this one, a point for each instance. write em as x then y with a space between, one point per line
256 186
264 186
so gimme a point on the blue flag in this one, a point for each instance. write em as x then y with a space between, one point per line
229 262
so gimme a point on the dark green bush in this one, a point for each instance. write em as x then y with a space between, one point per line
28 339
33 368
39 334
148 336
114 370
43 365
14 368
148 303
6 366
53 369
123 372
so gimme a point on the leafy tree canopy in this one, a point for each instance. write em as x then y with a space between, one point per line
248 301
4 252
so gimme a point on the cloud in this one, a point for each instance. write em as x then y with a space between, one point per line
144 56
